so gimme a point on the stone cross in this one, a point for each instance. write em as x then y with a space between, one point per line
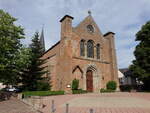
89 12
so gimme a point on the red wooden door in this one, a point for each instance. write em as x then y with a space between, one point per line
89 81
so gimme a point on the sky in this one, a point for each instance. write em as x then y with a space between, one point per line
123 17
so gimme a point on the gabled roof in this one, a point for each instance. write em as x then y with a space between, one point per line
89 19
51 47
126 71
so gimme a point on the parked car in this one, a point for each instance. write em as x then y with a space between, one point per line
13 89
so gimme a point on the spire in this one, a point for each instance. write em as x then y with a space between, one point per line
42 40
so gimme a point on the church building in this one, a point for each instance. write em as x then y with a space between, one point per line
84 53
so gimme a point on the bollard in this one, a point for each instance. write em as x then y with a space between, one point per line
53 107
91 111
67 108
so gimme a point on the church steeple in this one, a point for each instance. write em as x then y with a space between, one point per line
42 40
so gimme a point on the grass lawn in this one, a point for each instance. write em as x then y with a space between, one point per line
42 93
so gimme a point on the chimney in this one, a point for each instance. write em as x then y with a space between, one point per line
109 34
66 26
112 50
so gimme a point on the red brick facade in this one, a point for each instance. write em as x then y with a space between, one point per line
64 60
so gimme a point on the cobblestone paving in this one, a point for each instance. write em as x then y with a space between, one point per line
101 103
15 106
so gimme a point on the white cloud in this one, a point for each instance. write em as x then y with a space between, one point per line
124 17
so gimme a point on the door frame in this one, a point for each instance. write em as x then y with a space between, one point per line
89 81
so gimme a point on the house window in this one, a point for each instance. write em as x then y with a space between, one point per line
82 48
90 49
98 51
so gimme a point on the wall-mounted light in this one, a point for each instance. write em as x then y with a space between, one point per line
68 86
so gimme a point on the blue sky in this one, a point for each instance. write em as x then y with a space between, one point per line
124 17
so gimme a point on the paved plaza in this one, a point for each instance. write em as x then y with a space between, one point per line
15 106
101 103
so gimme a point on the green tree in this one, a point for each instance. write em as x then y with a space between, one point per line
33 74
141 66
10 35
23 60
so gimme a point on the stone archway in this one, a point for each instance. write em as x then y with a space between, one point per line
96 77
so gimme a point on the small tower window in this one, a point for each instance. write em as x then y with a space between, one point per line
98 51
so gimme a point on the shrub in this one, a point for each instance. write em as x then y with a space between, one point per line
75 84
111 85
79 91
42 93
43 86
106 90
125 87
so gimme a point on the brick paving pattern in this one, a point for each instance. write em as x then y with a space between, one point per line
101 103
15 106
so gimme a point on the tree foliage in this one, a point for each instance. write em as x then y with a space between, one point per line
20 64
141 66
10 35
33 74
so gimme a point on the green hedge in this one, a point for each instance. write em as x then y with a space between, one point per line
42 93
106 90
79 91
128 88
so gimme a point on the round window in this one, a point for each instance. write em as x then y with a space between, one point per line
90 28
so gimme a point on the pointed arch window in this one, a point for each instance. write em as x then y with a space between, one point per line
98 51
82 48
90 49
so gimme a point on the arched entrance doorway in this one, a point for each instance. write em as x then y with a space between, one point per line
89 81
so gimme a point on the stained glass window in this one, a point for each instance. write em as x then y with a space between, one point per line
90 49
